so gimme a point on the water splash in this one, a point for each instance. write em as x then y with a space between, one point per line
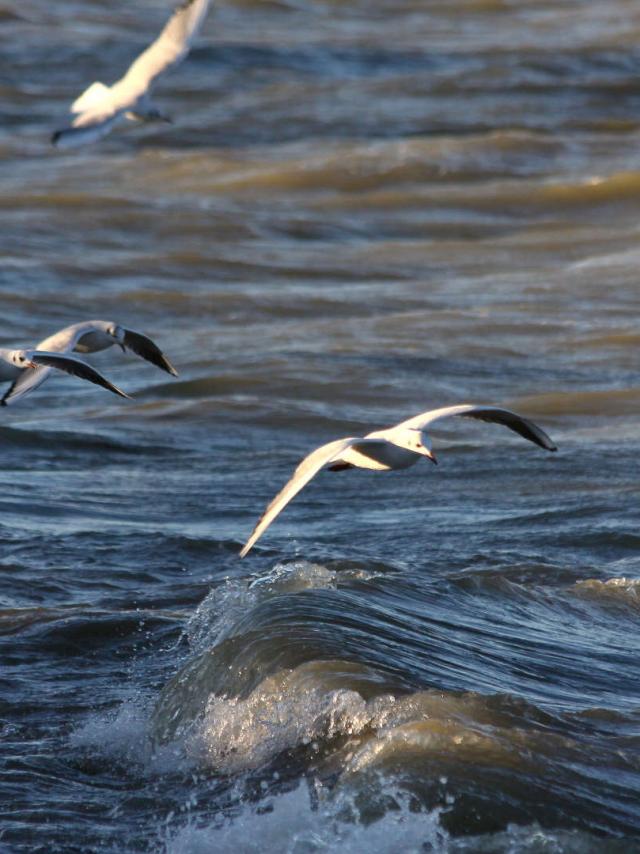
307 820
220 615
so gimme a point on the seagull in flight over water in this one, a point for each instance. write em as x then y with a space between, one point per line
397 447
89 336
16 364
101 107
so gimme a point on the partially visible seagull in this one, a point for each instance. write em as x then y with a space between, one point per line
101 107
87 337
15 364
397 447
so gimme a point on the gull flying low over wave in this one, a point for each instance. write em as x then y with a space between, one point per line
89 336
15 364
397 447
101 107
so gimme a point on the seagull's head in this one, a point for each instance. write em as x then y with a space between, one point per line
414 440
117 333
153 114
21 359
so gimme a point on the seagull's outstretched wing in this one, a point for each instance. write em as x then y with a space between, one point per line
100 107
522 426
67 339
26 382
146 349
76 367
70 365
88 127
171 46
308 468
91 97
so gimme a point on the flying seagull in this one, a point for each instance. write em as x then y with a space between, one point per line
101 107
87 337
15 364
397 447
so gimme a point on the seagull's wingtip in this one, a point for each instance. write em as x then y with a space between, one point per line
119 392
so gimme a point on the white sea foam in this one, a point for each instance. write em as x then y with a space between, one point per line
294 823
122 733
289 709
284 711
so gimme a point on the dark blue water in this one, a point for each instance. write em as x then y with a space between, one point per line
361 211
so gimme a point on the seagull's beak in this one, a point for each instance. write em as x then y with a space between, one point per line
428 453
30 365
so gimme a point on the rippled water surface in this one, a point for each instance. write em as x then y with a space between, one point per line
361 211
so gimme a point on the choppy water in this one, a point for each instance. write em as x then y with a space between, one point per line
363 210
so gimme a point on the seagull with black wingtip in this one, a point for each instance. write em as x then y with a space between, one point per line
99 108
16 365
397 447
90 336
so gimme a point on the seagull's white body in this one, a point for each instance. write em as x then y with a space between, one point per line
17 364
379 456
397 447
90 336
101 107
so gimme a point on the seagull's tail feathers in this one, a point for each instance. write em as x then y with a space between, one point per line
90 98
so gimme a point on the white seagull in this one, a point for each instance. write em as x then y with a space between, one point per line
89 336
397 447
15 364
101 107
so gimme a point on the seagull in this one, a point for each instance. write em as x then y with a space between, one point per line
101 107
397 447
89 336
15 364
